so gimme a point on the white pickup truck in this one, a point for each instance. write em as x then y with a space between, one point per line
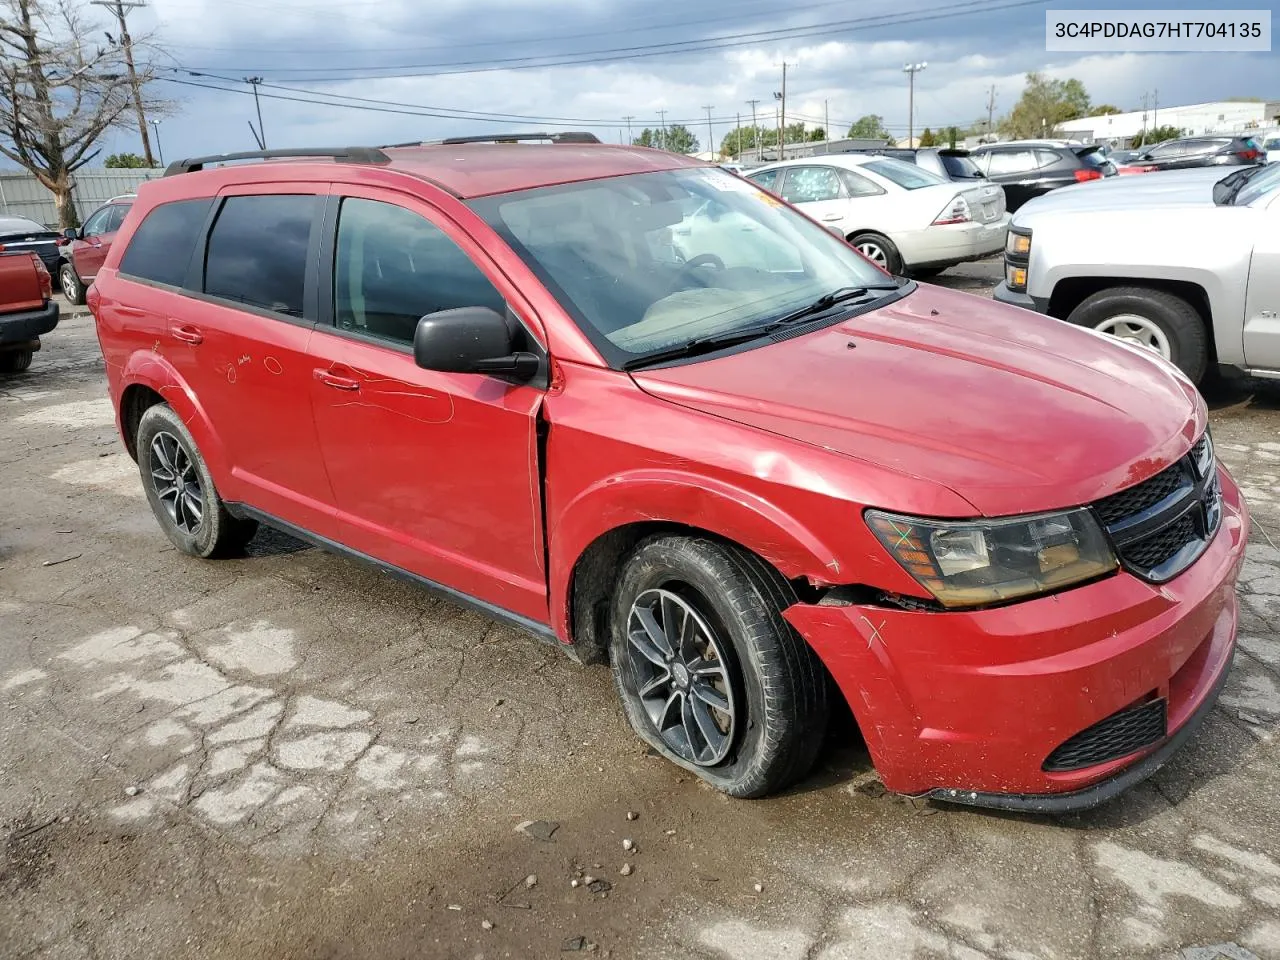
1186 263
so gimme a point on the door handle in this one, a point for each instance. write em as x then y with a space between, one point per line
333 380
832 217
186 334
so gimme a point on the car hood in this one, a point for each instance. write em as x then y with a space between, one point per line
1171 188
1012 411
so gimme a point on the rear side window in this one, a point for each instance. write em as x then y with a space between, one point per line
1011 161
257 252
765 178
859 186
161 247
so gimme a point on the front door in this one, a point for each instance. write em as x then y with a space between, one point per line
90 251
436 473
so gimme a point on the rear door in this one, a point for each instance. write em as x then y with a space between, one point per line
1262 299
436 473
240 340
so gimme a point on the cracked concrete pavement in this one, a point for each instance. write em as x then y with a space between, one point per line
291 755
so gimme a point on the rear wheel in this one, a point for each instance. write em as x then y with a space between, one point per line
15 361
880 250
1155 320
181 491
72 288
709 672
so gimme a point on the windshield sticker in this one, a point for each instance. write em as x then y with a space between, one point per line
726 182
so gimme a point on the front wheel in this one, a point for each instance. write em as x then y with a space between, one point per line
72 288
710 674
1152 319
15 361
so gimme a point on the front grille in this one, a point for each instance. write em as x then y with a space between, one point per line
1119 735
1120 506
1160 526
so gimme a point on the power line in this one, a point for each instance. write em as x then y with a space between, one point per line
672 48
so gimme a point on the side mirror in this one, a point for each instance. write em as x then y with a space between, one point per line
71 233
471 340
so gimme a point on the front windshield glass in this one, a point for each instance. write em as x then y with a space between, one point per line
906 175
1261 184
651 261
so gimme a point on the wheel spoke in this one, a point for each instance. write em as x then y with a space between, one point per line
654 685
711 697
700 725
643 644
653 630
669 713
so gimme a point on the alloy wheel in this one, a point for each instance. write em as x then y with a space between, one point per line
682 677
176 482
69 284
1139 331
874 252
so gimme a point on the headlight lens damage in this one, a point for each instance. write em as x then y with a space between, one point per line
973 563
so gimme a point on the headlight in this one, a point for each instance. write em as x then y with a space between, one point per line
1017 244
973 563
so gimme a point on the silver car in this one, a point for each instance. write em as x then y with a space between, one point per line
906 219
1185 263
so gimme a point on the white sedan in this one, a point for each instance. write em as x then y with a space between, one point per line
906 219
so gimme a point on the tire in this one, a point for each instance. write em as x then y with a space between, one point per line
879 249
15 361
72 288
775 687
166 447
1163 321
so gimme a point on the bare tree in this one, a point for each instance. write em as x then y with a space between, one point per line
60 92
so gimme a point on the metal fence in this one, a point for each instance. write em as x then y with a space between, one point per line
22 195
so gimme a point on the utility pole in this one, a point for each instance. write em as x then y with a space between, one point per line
1155 109
991 108
1145 98
755 131
782 117
711 139
159 148
662 115
629 140
737 129
121 9
911 69
826 126
260 134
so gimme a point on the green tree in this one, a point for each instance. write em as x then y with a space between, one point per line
953 135
817 135
1104 110
739 140
1044 104
870 127
927 139
1158 135
647 138
127 161
680 139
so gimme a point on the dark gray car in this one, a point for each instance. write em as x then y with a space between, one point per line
950 163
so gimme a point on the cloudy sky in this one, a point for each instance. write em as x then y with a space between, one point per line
445 64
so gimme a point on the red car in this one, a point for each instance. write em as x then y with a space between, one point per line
646 411
85 250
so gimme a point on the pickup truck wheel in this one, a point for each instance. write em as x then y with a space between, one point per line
72 288
880 250
15 361
181 491
1158 321
710 674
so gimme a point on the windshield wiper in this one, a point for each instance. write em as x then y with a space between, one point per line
718 341
1232 184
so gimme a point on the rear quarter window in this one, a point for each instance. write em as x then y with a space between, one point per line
906 175
160 249
962 168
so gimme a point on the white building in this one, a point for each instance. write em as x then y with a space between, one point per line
1225 116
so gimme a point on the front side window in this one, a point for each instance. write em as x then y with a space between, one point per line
393 266
160 249
257 253
118 212
906 175
653 261
96 225
810 185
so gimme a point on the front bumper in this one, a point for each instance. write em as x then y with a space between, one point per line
1002 294
24 327
967 706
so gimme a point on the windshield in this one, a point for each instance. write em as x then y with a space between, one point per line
652 261
906 175
1272 144
1261 184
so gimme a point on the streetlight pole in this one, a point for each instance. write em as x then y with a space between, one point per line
755 131
159 149
911 69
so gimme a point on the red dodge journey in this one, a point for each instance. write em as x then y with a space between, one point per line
639 407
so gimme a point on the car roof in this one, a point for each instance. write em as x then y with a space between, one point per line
830 159
21 223
466 170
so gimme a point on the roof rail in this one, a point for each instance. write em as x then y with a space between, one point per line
568 137
339 154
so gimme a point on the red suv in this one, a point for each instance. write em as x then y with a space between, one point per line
642 409
86 249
